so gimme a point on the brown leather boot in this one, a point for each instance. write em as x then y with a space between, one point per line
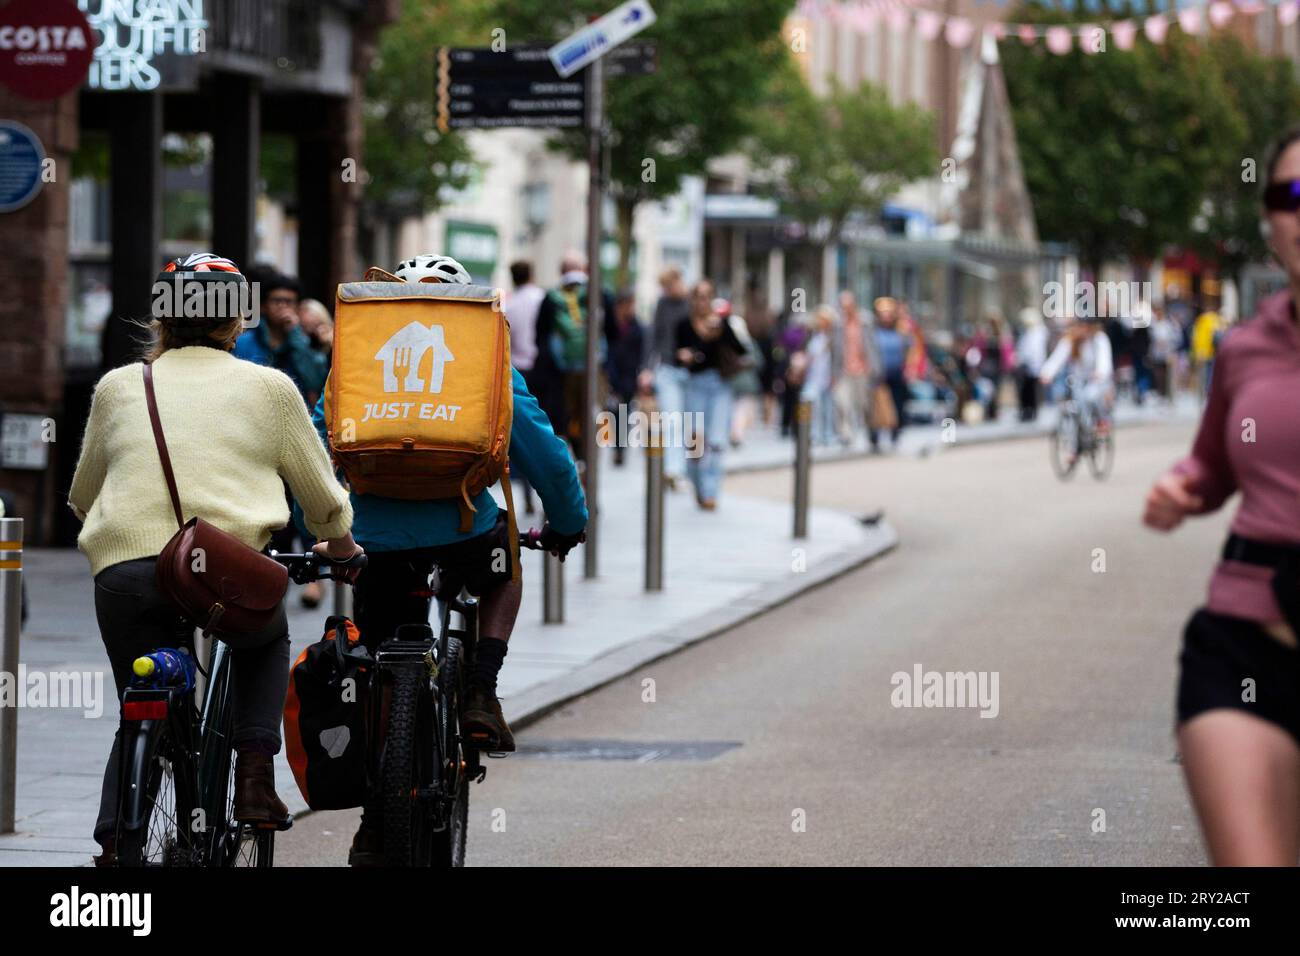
255 797
483 723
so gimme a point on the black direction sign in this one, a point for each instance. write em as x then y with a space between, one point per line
629 59
481 88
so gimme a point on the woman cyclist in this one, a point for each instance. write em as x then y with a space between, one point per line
1084 352
1239 687
233 430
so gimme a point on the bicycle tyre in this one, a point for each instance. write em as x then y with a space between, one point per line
155 841
449 842
407 770
1064 464
1104 446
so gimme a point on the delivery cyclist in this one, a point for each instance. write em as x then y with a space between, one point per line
405 539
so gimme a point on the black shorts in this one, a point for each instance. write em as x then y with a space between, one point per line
393 588
1220 653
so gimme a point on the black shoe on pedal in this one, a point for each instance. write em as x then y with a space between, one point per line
483 724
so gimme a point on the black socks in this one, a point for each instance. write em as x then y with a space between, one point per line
487 663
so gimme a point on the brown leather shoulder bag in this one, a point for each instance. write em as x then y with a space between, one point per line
221 584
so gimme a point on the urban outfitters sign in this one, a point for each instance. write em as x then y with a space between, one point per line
133 35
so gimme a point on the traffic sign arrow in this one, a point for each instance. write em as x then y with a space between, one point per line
600 36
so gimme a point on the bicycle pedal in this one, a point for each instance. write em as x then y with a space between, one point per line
281 826
496 754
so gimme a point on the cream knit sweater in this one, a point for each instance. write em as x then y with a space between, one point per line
233 430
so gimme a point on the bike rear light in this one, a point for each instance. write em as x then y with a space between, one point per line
144 709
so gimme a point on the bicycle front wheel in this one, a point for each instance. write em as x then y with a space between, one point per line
408 771
1065 446
1101 456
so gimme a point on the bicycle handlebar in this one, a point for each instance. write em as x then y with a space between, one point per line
307 567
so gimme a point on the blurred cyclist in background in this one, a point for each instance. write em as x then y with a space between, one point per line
1084 354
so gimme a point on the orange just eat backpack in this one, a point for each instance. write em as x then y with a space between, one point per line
419 400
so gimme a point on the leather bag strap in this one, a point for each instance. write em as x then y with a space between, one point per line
161 442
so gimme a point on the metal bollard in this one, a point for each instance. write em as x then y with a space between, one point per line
654 515
11 620
552 589
802 466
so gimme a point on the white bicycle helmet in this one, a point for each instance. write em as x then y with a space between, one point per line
433 269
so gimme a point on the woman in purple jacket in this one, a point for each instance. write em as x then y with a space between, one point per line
1239 687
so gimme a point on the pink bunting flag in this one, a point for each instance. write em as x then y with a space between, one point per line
1286 13
1027 34
1059 40
929 23
1221 11
1250 8
959 32
1156 27
1189 19
997 31
1124 32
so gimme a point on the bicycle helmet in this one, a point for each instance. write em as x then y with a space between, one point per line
430 268
224 287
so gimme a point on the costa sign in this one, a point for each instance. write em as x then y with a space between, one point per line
45 47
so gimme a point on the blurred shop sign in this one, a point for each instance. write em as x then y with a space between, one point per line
45 48
137 43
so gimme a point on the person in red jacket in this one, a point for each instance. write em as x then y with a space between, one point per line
1239 686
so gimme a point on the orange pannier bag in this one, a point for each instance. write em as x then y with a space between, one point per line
419 399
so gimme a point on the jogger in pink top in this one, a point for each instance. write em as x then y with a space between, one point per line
1239 686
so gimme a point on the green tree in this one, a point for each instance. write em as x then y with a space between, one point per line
715 58
849 151
1266 96
1119 148
410 166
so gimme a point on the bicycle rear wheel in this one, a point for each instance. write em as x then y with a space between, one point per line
148 828
408 770
449 842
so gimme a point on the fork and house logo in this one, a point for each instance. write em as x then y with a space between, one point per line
402 357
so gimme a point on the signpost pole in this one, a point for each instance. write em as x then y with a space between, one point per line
595 320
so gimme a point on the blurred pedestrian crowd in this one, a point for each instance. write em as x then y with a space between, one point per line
862 373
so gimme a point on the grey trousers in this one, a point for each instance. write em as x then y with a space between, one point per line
135 618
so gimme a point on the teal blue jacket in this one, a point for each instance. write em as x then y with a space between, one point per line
392 524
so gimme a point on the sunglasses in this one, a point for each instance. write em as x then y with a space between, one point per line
1283 196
